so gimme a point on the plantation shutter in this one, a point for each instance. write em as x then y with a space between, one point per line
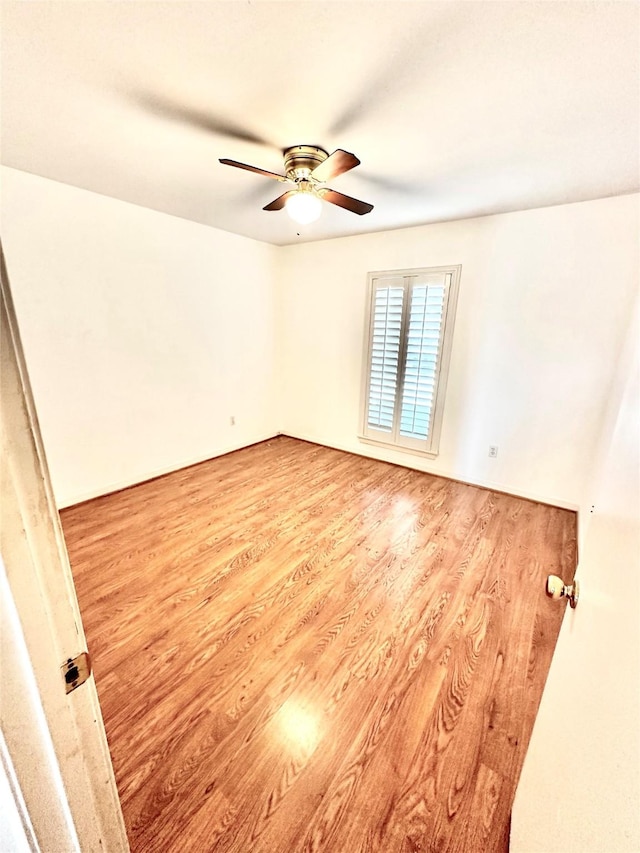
407 326
385 355
424 341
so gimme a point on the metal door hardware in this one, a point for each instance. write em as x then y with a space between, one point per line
556 588
75 671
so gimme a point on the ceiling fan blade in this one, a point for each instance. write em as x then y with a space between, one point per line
352 204
335 164
279 202
255 169
157 104
391 76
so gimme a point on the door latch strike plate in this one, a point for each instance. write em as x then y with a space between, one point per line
75 671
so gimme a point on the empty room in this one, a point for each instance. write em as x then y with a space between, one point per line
320 470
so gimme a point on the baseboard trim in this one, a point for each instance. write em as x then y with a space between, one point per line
119 486
170 469
489 485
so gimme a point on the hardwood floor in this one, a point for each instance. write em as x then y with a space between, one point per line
297 649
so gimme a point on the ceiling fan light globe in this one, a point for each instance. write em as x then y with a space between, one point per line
304 208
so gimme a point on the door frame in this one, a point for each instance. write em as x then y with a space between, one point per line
56 741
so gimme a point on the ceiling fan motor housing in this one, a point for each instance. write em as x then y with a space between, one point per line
309 167
301 160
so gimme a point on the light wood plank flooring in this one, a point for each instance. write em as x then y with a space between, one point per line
297 649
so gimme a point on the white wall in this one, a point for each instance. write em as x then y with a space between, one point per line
580 786
143 334
544 297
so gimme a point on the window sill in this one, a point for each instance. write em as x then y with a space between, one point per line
429 454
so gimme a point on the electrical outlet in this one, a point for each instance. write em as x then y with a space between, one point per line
232 420
493 450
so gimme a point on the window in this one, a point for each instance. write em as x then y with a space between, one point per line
409 337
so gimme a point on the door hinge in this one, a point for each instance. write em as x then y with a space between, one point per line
75 671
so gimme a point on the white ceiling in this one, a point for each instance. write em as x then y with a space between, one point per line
456 109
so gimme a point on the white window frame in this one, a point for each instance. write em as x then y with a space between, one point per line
450 277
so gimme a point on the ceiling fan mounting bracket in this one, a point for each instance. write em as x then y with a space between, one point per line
301 160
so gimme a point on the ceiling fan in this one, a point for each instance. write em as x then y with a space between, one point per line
309 168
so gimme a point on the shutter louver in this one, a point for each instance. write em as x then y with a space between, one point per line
421 370
385 354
